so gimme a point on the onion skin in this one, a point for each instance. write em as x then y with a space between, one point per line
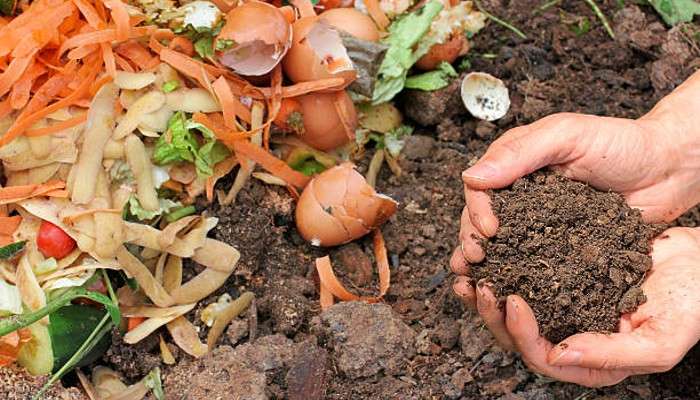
338 206
323 128
448 52
353 22
301 64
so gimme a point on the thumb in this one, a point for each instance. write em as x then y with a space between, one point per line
525 149
638 350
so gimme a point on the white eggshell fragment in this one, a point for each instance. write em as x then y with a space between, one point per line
202 14
485 96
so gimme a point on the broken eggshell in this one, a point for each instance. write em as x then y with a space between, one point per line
329 119
201 14
317 52
352 22
258 35
485 96
448 52
338 206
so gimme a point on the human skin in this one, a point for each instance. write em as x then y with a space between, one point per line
654 162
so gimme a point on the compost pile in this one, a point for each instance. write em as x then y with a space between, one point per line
575 254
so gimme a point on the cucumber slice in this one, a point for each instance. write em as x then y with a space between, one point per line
37 354
70 327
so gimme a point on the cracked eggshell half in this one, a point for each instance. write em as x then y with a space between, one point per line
338 206
485 96
259 36
317 52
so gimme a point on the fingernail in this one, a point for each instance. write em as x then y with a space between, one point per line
568 357
479 172
513 316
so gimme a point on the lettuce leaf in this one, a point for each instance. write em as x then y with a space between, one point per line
676 11
433 80
166 205
180 144
404 34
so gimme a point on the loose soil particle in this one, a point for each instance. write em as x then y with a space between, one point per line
575 254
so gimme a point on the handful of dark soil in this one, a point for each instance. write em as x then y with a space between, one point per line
575 254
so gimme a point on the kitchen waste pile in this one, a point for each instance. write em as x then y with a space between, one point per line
117 116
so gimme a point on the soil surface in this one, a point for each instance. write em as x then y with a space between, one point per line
422 344
575 254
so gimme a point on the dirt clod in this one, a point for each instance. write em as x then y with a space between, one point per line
572 252
366 338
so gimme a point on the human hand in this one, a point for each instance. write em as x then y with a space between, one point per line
654 338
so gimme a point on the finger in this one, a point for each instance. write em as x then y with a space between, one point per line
638 350
468 236
522 150
458 264
480 212
464 290
522 326
493 316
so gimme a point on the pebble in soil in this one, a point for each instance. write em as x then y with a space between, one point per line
575 254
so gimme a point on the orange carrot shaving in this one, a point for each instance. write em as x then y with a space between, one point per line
120 15
10 345
133 322
229 105
344 114
13 194
306 9
37 18
8 225
90 13
331 286
19 96
98 84
81 52
57 127
246 150
187 66
137 54
108 56
375 11
123 64
183 45
220 170
5 107
13 73
225 135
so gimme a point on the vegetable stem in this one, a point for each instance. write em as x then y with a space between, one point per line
602 17
180 213
499 21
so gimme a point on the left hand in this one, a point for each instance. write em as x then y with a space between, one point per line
654 338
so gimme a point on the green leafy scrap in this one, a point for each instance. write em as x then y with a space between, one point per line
180 143
136 210
675 12
404 34
11 250
432 80
169 86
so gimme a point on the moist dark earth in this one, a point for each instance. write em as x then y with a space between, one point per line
575 254
421 343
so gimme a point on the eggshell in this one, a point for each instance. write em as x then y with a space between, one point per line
338 206
323 127
485 96
353 22
317 52
448 52
261 35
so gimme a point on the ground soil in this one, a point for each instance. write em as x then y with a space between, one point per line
575 254
436 349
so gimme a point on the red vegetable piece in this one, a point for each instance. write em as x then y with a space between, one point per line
53 241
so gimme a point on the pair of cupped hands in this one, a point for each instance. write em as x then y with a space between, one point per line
654 162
